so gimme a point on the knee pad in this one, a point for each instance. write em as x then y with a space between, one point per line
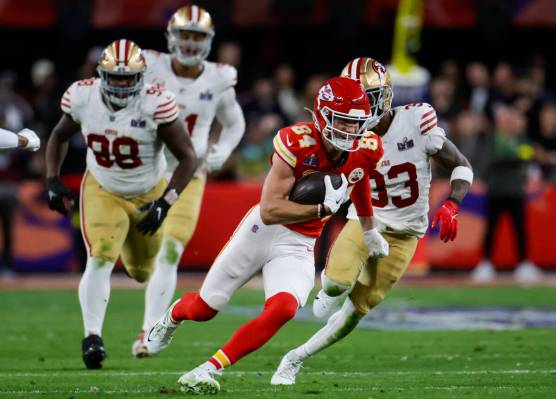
283 305
364 298
193 307
139 274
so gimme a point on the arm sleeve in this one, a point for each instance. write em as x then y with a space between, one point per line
361 198
285 147
69 103
433 135
8 139
230 116
166 110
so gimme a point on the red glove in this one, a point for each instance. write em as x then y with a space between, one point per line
447 215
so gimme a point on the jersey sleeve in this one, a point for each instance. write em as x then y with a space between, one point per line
361 197
165 108
371 143
227 76
75 97
434 136
286 146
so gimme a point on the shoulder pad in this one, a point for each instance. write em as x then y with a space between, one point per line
424 116
77 95
159 104
371 145
226 74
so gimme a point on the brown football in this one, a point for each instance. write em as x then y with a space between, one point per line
310 190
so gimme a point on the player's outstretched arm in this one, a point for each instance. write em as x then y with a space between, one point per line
56 150
275 206
230 116
179 143
26 139
451 158
461 179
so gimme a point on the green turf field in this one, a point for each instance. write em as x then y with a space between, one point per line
40 352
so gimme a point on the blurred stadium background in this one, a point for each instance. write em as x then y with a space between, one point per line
464 57
437 334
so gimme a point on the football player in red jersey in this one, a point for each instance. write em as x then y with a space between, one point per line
277 236
354 284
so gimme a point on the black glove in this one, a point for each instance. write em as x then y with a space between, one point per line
57 191
156 213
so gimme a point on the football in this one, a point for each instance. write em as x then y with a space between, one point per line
310 190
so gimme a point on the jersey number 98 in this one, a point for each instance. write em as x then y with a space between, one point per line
124 151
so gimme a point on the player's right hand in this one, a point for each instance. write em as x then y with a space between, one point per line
33 141
57 193
377 245
334 197
156 213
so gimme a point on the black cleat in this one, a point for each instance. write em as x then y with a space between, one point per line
93 351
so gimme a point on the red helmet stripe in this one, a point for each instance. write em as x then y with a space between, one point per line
188 12
349 69
358 68
126 51
117 48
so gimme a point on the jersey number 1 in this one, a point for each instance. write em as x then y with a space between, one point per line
124 151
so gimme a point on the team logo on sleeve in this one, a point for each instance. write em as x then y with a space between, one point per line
356 175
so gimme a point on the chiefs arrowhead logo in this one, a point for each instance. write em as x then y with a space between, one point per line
326 93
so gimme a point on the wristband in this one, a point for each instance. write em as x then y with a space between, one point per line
319 210
171 196
462 173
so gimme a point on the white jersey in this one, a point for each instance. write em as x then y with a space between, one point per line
400 185
198 99
124 152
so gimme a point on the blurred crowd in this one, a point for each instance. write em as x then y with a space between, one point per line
480 107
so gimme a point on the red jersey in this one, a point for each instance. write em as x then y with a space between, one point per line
301 147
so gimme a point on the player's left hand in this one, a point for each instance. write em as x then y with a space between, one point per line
447 215
215 158
377 245
33 141
156 213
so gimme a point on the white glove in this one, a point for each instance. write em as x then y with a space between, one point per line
33 141
378 246
215 158
334 197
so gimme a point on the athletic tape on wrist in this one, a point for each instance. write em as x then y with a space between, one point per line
462 173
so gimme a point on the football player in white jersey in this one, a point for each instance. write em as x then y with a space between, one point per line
26 139
400 195
124 195
204 91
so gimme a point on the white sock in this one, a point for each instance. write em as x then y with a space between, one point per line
332 288
162 284
338 326
94 292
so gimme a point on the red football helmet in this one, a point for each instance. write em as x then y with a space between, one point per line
341 112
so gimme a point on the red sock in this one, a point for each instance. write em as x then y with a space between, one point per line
192 307
278 310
